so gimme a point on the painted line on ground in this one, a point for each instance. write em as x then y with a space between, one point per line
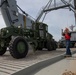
31 70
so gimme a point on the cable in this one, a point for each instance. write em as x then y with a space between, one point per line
25 13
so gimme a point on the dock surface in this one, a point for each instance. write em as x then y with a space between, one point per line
10 65
63 67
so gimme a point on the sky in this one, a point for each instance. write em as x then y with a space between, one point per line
56 20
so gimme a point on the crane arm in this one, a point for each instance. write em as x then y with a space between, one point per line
52 5
11 15
42 11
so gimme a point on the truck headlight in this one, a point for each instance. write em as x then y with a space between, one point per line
7 31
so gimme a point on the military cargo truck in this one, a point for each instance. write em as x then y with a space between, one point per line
22 30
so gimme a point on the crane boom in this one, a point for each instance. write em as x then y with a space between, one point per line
42 11
9 12
11 15
53 5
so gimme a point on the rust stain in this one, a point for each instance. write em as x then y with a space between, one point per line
68 73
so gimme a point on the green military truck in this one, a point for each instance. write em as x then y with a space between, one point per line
21 31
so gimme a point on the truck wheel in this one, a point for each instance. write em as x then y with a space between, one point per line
2 51
54 45
40 46
18 47
49 45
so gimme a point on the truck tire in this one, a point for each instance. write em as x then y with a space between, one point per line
49 45
39 46
18 47
54 45
2 51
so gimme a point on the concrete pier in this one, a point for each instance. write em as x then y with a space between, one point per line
66 66
11 66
